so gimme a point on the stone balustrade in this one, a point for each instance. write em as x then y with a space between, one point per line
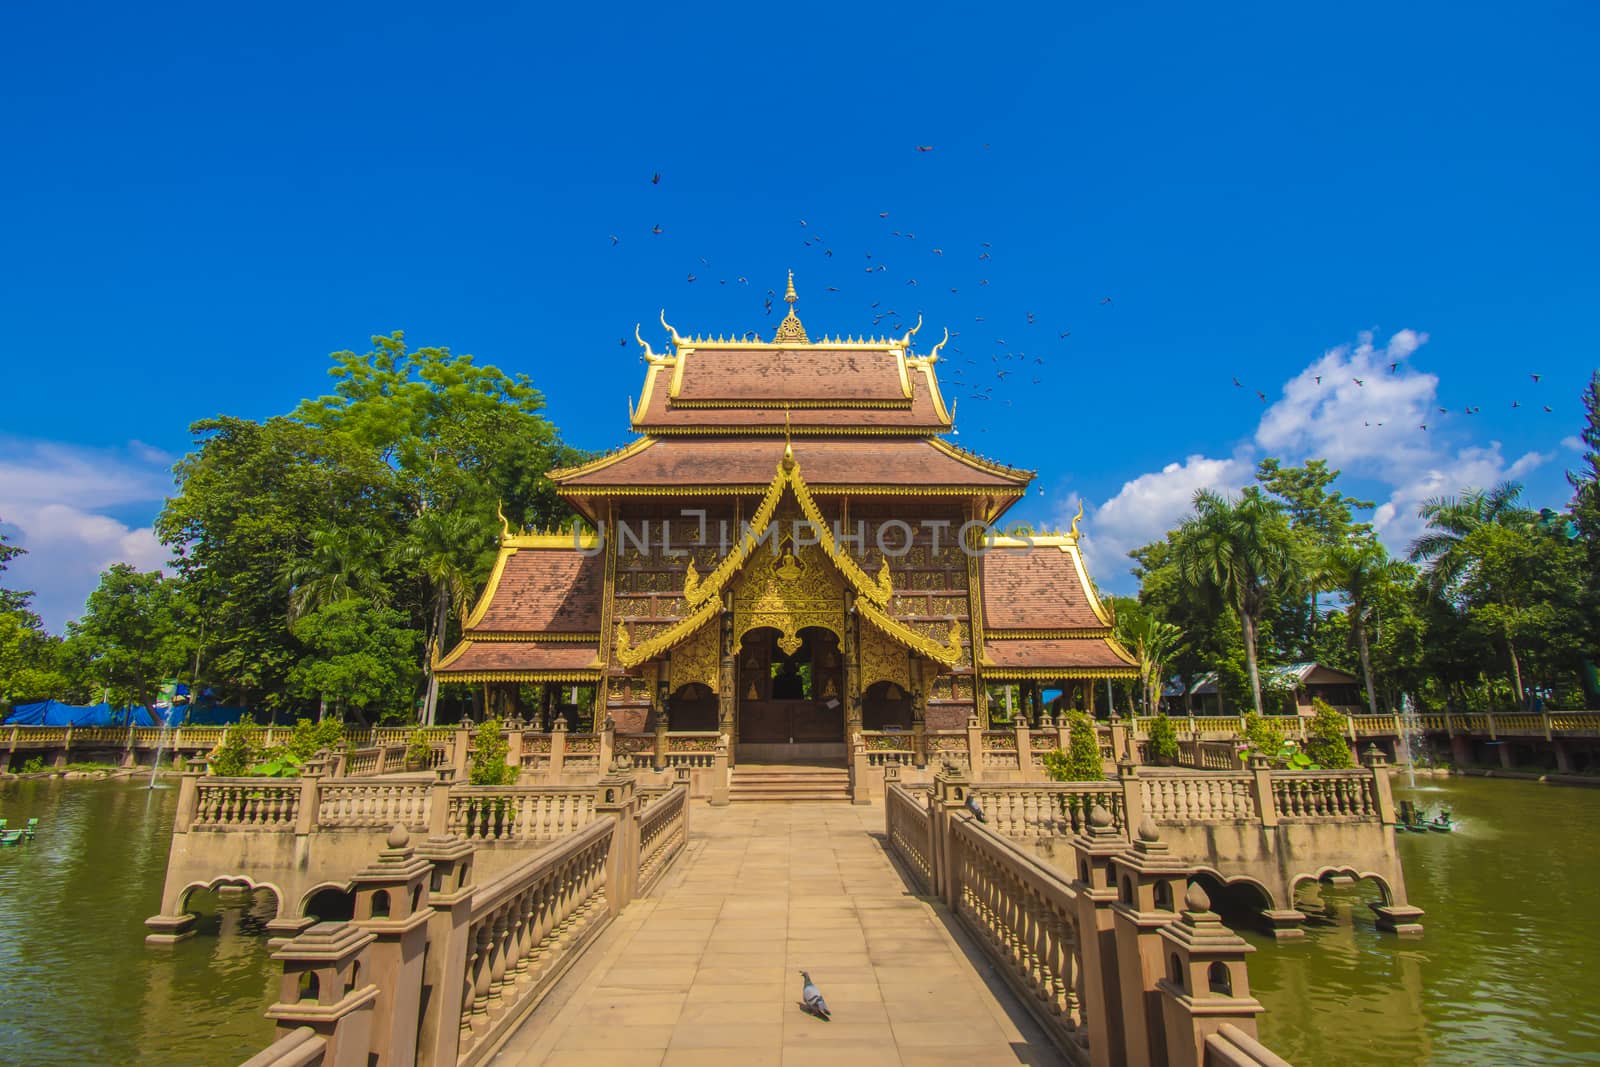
1113 970
439 970
488 814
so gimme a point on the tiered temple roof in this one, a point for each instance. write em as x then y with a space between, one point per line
789 423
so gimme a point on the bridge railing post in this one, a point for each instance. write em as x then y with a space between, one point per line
1261 790
321 971
188 799
445 963
1132 796
1024 747
461 750
975 747
719 773
305 816
1382 790
1207 986
558 748
616 797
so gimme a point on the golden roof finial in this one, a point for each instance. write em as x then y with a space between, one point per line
505 524
789 330
788 449
1075 518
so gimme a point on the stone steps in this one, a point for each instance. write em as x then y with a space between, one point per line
789 782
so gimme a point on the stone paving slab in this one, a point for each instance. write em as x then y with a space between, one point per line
705 971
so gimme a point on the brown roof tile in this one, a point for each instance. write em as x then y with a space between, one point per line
790 374
722 461
523 656
1066 654
1034 588
918 413
554 590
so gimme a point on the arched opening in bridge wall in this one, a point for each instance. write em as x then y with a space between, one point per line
329 903
885 706
692 707
230 907
1239 902
1336 895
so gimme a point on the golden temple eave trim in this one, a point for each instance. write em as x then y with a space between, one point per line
590 677
602 462
545 636
1063 674
1088 633
752 488
977 462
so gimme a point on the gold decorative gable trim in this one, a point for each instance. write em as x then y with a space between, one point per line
630 655
788 476
947 654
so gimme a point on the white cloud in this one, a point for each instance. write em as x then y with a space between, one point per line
54 501
1144 509
1363 408
1396 519
1574 443
1357 406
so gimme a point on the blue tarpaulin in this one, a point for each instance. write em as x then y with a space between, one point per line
55 713
206 715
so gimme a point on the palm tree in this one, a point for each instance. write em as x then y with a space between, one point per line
1444 547
1239 553
447 550
344 562
1154 643
1451 519
1361 569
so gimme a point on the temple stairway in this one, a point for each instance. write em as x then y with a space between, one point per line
789 781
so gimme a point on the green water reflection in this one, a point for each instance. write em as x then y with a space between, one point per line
80 987
1504 973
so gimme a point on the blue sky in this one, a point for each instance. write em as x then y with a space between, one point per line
205 201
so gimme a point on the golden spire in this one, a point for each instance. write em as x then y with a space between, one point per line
789 330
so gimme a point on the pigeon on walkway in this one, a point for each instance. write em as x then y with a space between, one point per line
972 806
811 999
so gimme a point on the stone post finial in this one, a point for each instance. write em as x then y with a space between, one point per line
1373 755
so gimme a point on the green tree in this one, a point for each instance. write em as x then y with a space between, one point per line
1585 484
1263 735
239 750
488 757
135 631
1154 644
1081 762
361 656
1163 738
1362 570
449 550
1321 518
1326 743
1451 519
1237 553
342 562
247 497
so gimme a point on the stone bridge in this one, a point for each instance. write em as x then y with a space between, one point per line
499 934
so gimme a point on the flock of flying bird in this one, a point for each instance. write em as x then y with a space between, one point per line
971 378
1394 368
1008 365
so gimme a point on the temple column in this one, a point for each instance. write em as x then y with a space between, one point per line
728 684
852 667
919 710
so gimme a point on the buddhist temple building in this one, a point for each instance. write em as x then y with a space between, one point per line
790 550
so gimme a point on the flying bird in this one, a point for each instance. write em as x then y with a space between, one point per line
811 999
655 179
1393 367
1105 300
1238 383
1547 407
939 252
1064 333
1262 395
883 214
1535 378
1359 382
1319 379
615 240
691 277
1424 426
656 228
924 148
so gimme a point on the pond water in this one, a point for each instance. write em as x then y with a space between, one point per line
80 986
1503 974
1505 970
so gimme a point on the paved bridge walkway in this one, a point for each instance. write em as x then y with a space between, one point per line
705 970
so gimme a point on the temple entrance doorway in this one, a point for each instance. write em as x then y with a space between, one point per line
791 704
